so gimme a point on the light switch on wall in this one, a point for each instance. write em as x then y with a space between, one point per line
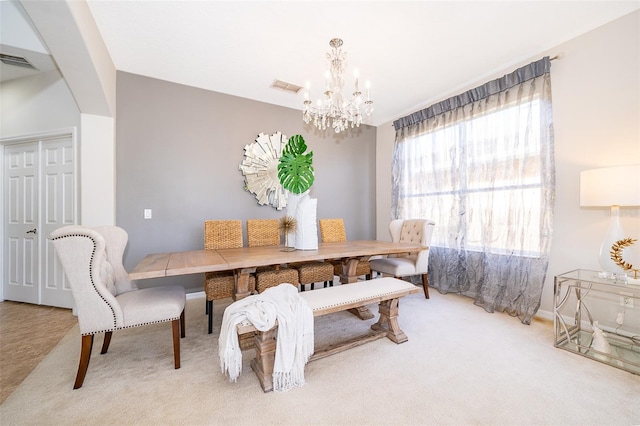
147 213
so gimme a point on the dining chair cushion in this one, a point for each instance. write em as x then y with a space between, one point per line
151 305
396 266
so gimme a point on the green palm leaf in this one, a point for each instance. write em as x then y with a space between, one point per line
295 170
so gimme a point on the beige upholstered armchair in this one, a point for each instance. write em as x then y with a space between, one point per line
105 298
414 231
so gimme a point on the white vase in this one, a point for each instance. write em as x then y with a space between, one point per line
304 209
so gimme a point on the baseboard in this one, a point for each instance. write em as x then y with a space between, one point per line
195 295
545 315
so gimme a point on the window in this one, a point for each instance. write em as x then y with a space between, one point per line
495 175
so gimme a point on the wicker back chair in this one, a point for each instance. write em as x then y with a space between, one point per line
265 232
220 234
333 231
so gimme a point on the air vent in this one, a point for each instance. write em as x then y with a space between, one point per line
16 61
287 87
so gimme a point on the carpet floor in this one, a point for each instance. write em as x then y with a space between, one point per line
461 365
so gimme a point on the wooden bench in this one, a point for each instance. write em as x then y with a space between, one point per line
385 291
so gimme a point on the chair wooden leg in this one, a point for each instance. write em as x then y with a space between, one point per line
210 313
182 324
425 283
105 343
85 355
175 325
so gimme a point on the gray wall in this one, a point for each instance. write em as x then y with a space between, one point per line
178 149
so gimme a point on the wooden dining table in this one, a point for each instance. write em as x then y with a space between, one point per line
244 260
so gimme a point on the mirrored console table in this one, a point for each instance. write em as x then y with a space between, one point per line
584 300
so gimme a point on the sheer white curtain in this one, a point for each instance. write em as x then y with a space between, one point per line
481 166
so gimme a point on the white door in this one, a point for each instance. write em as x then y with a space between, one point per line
39 196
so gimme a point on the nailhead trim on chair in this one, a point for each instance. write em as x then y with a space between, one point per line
132 326
93 284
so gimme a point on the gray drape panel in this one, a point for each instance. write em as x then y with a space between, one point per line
481 166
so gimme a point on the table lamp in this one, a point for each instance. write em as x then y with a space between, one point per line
611 187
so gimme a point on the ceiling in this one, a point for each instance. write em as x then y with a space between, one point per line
413 52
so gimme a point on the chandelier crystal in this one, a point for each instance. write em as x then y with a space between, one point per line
333 109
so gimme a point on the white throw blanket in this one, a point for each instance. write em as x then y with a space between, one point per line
294 336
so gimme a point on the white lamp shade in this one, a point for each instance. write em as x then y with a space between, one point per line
610 186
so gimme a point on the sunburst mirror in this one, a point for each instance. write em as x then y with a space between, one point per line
260 169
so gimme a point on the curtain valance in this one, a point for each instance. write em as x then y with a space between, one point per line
528 72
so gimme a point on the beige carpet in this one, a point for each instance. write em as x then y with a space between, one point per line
461 365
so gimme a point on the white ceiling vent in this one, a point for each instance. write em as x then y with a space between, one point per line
287 87
16 61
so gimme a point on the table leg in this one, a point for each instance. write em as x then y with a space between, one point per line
349 276
242 283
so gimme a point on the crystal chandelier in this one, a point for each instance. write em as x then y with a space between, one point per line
333 109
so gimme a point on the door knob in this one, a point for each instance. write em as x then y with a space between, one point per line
33 231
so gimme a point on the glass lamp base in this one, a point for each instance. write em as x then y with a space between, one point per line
614 233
